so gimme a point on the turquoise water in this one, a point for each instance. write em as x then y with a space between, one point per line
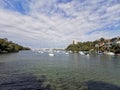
61 72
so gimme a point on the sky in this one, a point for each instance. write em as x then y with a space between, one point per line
56 23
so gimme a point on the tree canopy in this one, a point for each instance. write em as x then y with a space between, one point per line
8 46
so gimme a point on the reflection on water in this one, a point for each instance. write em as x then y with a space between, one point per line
26 69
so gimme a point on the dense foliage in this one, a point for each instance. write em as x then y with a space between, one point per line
116 48
8 46
101 45
85 46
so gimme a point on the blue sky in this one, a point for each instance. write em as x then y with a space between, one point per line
56 23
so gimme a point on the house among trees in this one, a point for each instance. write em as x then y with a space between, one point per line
75 42
103 45
118 42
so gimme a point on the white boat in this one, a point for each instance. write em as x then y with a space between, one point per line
40 52
58 51
81 53
51 54
66 53
110 53
88 55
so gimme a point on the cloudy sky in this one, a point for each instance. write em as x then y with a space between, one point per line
56 23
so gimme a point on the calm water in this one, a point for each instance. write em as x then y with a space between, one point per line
27 70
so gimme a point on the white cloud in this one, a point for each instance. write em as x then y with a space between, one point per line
53 24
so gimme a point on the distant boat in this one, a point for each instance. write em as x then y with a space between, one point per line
51 54
81 53
58 51
66 53
110 53
99 53
88 55
40 52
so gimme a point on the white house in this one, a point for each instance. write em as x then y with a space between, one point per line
75 42
118 42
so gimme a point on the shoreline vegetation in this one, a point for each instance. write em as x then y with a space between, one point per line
9 47
101 45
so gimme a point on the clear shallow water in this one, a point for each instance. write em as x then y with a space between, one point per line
28 70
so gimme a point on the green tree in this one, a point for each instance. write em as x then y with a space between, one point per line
9 46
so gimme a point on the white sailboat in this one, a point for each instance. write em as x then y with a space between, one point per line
51 54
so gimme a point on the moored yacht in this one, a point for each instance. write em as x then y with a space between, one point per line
110 53
51 54
88 55
81 53
66 53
